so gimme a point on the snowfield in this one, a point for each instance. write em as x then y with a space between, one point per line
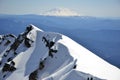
53 56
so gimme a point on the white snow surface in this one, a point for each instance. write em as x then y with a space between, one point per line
90 63
60 67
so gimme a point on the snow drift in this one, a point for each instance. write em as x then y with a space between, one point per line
39 55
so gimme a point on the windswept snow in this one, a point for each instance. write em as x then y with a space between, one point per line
89 62
61 64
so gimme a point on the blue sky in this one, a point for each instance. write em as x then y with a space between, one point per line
99 8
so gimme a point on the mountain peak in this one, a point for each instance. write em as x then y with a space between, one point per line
34 27
40 55
60 12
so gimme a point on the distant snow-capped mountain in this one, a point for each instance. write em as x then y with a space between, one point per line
60 12
39 55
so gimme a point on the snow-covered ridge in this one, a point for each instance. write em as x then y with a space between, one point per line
40 55
60 12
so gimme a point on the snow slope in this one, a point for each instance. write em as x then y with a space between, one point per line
90 63
61 65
